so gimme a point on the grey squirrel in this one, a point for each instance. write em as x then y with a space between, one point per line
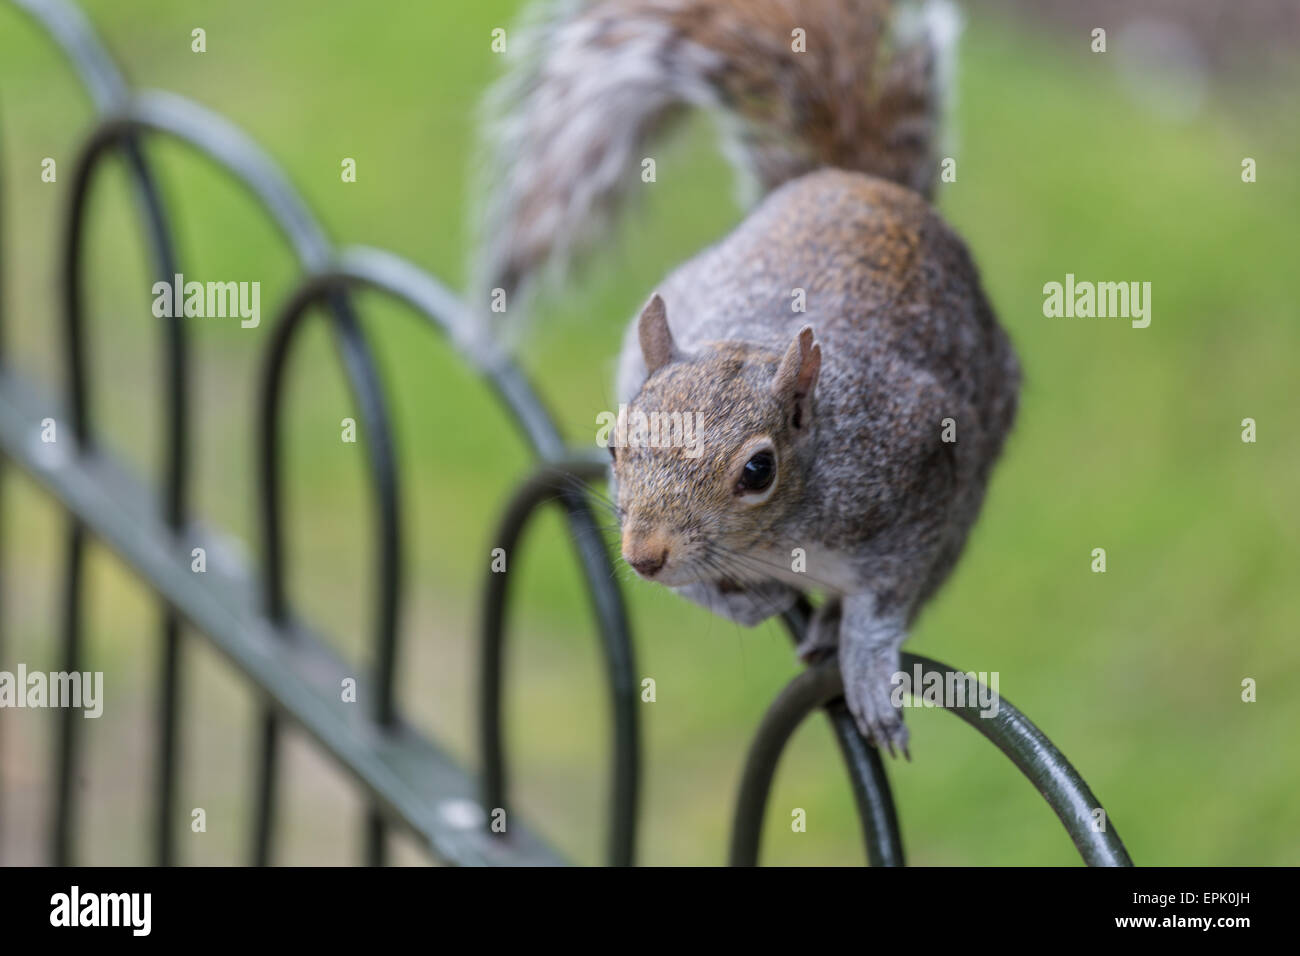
829 432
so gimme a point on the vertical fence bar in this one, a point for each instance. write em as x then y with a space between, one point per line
871 791
367 392
74 353
175 459
168 739
65 800
264 783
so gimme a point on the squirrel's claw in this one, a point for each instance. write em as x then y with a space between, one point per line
887 734
877 718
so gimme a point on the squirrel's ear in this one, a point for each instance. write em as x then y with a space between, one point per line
796 376
657 346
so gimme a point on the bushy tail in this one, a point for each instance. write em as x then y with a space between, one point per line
799 84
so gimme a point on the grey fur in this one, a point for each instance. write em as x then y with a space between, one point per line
909 341
865 487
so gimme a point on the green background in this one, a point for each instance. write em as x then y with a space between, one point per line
1128 440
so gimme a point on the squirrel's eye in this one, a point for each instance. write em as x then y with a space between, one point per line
758 472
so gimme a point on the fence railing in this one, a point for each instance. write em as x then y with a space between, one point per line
245 613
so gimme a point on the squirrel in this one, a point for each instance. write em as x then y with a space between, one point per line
858 433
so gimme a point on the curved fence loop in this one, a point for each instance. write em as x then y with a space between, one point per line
363 379
871 791
221 141
175 458
557 481
814 688
389 273
71 32
218 139
125 117
1010 731
367 392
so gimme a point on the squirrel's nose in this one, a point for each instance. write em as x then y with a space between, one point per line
650 566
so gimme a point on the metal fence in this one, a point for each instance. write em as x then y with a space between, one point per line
409 781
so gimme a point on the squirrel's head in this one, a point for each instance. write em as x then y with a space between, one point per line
712 454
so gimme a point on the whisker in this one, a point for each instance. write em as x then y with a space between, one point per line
768 607
754 563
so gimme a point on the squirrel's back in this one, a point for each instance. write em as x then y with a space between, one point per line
798 85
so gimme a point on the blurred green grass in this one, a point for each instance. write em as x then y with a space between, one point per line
1128 440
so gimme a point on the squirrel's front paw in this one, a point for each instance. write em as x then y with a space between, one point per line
868 683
